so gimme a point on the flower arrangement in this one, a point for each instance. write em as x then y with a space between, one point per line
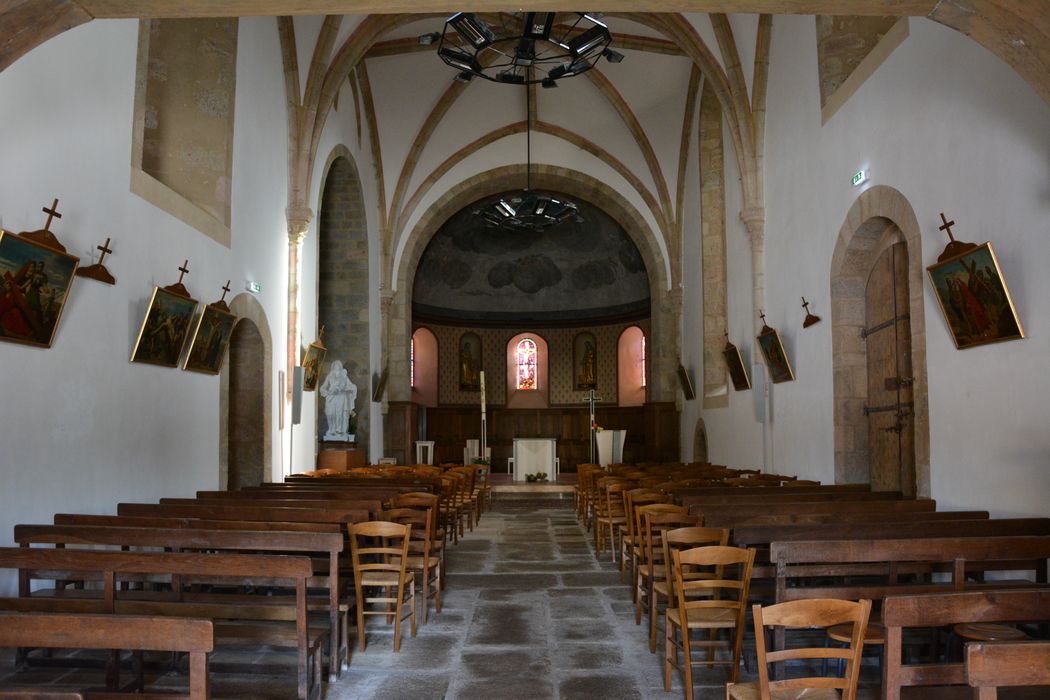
537 477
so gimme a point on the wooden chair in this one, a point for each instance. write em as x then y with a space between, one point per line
991 665
629 537
655 519
679 539
814 612
717 603
380 552
421 558
609 513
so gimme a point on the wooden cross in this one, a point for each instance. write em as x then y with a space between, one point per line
762 315
805 305
592 399
184 270
225 290
105 251
947 227
320 334
52 213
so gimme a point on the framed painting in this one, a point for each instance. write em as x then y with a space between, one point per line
209 340
34 287
469 362
164 330
311 365
737 370
776 358
686 382
584 362
974 299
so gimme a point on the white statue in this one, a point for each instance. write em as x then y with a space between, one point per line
339 395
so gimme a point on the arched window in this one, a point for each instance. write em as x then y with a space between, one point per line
526 362
631 359
423 367
643 360
412 363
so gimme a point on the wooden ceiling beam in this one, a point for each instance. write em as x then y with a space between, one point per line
243 8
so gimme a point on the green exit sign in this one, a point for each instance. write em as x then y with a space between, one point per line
254 287
859 177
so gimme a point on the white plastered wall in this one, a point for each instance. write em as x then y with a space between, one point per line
955 130
82 428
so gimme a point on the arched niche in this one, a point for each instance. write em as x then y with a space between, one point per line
665 309
248 311
528 398
700 446
631 367
425 367
880 218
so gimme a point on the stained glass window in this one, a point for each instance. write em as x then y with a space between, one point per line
412 363
643 360
526 356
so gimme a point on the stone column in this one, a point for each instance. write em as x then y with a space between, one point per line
754 219
298 224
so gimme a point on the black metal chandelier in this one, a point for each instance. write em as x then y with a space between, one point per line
527 210
527 49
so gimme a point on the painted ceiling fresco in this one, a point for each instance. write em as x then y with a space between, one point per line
571 271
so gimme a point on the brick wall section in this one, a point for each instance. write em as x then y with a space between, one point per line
842 43
343 287
713 250
247 432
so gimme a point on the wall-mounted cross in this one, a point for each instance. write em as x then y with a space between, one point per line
805 304
225 290
184 270
52 213
106 250
947 227
762 315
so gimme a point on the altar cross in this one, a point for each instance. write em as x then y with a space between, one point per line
52 213
106 250
184 270
947 227
592 399
225 290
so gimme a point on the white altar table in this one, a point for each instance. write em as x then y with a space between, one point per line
533 455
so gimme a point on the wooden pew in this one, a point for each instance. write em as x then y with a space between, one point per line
327 544
123 632
991 665
937 610
806 518
113 567
374 506
197 523
959 555
760 490
719 515
240 511
783 496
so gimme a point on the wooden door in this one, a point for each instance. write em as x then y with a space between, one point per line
890 407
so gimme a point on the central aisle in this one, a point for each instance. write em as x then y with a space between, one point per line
529 613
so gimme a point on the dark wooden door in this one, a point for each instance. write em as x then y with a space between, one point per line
890 407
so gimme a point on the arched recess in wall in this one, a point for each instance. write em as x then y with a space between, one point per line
880 230
425 367
246 398
630 360
342 287
518 349
665 314
700 442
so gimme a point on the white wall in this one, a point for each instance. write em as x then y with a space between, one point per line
955 130
82 427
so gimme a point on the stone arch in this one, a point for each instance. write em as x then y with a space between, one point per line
700 445
342 281
879 217
248 311
666 310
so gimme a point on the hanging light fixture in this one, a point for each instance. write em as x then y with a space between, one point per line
528 210
528 49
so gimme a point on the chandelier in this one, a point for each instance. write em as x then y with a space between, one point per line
528 210
526 50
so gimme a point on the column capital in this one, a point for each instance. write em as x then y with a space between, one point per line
386 300
299 218
754 219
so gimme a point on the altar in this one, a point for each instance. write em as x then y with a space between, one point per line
532 455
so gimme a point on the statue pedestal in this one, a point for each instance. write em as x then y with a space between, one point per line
340 456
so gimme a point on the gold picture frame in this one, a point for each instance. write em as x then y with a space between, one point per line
775 357
164 329
686 382
311 364
34 286
974 299
210 338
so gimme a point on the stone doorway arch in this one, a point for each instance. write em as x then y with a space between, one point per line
700 442
880 217
245 398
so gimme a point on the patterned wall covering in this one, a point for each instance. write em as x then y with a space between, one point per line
561 374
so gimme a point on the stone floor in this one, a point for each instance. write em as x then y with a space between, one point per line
528 613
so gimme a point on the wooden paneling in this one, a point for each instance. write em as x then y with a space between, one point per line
400 431
652 431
